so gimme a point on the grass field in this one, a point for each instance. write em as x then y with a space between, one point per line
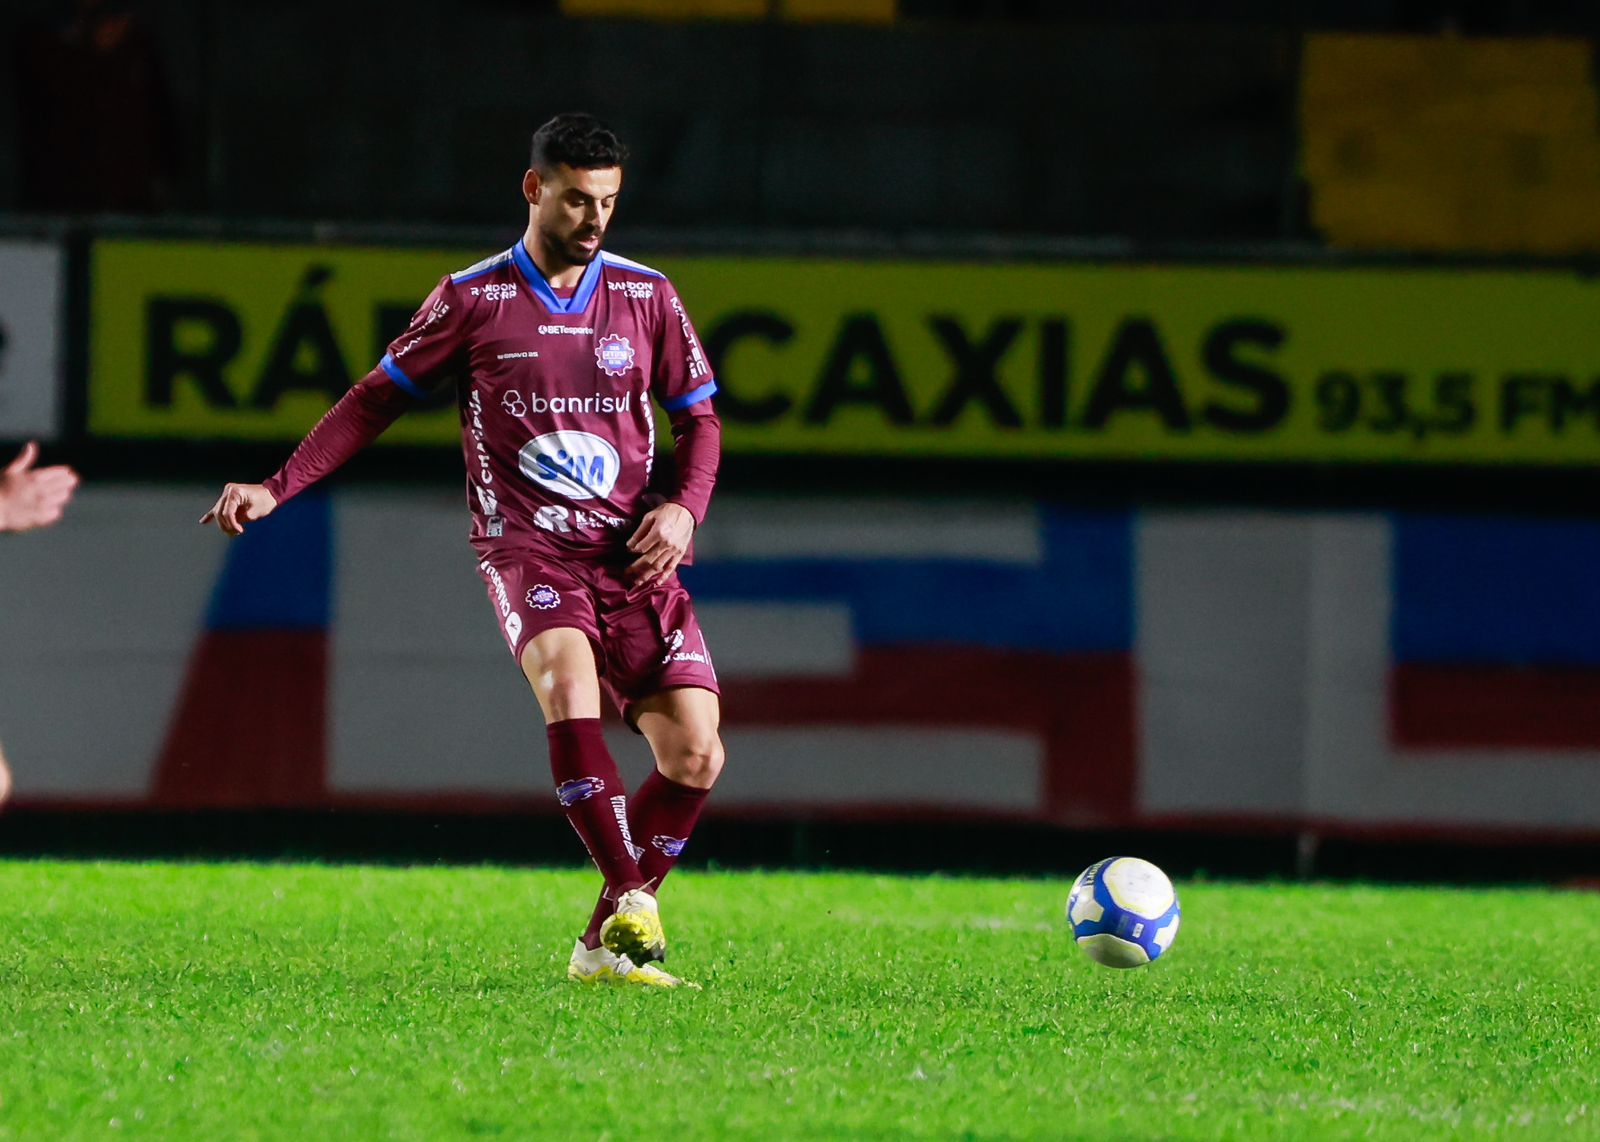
291 1001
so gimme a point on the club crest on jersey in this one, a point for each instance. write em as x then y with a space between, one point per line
614 354
579 789
544 597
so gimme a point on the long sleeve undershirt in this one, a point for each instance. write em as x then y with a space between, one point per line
359 418
697 450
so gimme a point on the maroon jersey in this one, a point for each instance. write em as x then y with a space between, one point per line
554 389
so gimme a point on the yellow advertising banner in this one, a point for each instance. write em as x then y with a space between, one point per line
868 358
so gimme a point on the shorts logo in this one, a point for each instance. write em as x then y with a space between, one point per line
579 789
512 403
614 354
669 846
676 653
502 600
576 465
544 597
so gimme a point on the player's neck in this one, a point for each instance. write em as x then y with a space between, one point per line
560 275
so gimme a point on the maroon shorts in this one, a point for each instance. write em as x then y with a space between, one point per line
644 642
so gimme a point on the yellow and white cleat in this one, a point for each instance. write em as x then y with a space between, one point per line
634 929
604 966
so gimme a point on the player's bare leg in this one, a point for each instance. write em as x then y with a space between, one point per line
681 726
5 779
560 667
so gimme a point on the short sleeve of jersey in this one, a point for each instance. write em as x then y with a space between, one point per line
682 376
430 348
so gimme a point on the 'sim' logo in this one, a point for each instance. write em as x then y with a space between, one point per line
576 465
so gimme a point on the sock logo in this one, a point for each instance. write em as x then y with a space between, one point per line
669 846
580 789
619 809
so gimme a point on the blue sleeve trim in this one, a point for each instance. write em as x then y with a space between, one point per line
676 404
398 376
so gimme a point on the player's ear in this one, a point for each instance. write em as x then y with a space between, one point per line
531 182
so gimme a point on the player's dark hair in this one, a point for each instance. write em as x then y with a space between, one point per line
579 140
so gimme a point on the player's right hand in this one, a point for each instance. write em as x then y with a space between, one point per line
240 504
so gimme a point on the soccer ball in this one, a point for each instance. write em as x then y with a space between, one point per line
1123 912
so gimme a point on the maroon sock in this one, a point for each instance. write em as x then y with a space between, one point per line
663 814
591 794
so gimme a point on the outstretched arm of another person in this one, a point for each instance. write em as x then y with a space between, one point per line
33 497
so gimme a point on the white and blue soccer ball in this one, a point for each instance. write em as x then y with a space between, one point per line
1123 911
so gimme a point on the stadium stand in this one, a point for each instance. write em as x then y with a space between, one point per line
794 11
1451 144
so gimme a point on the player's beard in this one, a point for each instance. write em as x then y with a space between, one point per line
569 250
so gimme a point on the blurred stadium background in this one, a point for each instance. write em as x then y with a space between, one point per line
1174 431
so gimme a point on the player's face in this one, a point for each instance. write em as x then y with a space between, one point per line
571 209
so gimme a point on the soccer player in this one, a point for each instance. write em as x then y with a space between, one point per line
31 497
555 348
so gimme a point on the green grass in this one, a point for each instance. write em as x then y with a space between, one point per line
284 1001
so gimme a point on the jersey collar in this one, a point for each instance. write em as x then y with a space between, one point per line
577 303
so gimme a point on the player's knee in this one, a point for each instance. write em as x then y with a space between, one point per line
697 761
564 698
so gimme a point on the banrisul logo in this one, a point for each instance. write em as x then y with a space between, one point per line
577 465
613 354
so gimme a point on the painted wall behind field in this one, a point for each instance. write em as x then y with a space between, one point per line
1002 658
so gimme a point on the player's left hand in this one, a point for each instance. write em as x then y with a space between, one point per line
660 543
